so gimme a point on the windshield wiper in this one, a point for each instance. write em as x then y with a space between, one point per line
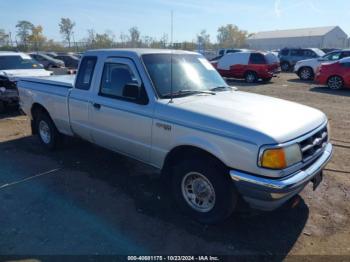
188 92
220 88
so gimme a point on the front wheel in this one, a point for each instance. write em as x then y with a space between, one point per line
335 82
203 190
47 131
306 73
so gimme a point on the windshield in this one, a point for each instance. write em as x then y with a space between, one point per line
18 62
319 52
190 72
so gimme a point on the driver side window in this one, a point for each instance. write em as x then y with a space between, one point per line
115 77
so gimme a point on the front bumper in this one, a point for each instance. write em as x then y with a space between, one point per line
9 96
267 193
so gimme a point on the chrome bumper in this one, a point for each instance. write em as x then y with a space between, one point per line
267 193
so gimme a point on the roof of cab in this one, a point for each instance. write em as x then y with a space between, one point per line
10 53
137 51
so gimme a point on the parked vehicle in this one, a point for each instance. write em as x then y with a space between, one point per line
70 61
328 50
306 69
335 75
47 61
250 65
12 66
290 56
172 110
51 54
224 51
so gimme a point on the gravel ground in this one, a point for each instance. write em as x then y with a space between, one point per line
83 199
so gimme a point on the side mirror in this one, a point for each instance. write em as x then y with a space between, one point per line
132 91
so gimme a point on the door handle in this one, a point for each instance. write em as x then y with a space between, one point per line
96 105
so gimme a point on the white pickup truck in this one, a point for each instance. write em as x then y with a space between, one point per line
173 111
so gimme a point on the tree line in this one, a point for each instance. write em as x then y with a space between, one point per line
30 37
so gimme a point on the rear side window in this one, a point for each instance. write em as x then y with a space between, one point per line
256 58
309 53
284 52
85 73
296 52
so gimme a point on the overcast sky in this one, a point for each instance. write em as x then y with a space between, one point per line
152 17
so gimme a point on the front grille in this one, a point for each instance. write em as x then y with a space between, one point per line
314 144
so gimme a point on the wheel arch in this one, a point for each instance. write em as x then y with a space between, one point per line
35 110
190 150
334 76
306 66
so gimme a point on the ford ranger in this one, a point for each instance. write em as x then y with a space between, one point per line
173 111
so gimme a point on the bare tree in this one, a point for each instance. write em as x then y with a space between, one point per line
24 29
66 29
134 36
203 39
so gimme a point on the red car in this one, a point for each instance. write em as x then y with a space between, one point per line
251 66
335 75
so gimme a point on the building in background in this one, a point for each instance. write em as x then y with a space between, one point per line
321 37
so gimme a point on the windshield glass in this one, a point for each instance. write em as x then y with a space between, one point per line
190 72
318 52
18 62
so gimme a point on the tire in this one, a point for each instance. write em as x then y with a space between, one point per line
335 82
306 73
285 66
47 131
250 77
217 188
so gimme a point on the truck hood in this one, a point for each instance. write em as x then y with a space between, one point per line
246 116
25 73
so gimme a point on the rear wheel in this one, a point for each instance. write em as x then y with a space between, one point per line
285 66
335 82
306 73
203 190
47 131
251 77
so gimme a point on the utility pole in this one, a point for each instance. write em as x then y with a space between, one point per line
172 29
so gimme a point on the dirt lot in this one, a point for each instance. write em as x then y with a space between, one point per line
86 200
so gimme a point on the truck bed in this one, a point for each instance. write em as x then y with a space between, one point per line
52 93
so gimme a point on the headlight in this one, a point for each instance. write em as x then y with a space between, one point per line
280 158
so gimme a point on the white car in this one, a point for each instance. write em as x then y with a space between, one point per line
306 69
171 110
14 65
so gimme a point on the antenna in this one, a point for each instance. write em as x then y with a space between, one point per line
171 56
